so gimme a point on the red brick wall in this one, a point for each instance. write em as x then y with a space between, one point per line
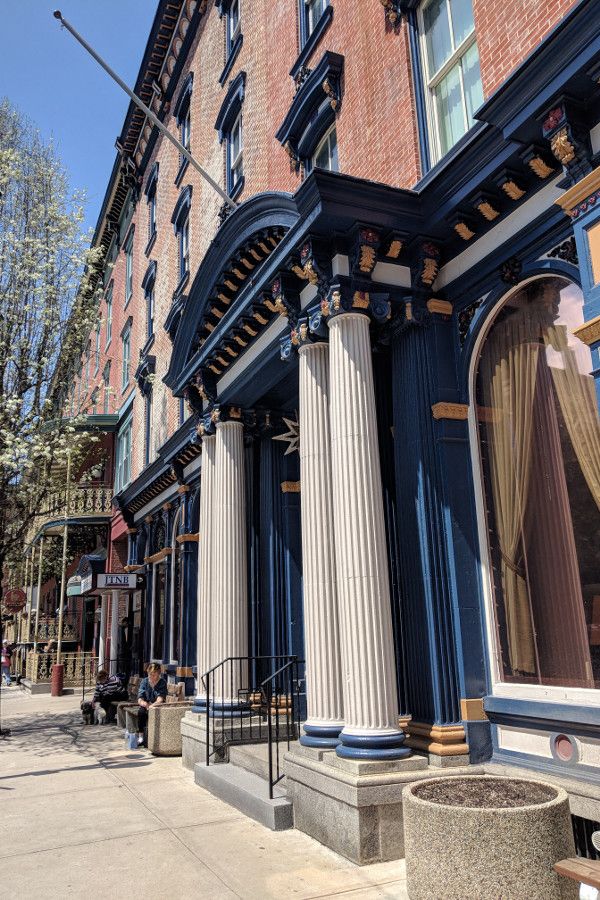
508 30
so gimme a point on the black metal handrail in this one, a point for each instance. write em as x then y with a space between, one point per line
241 693
282 685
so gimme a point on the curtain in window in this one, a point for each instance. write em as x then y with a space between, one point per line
578 403
507 371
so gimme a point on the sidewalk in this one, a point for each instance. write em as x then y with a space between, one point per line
83 816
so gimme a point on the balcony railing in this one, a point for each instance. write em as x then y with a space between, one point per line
85 500
80 668
48 630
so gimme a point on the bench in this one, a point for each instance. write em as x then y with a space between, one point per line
585 871
164 721
120 705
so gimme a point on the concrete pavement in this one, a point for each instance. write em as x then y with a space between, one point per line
81 815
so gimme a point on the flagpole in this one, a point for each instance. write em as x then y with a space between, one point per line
147 111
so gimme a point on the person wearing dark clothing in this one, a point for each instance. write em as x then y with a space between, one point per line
109 690
124 649
152 692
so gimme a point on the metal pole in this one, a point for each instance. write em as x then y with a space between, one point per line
63 576
39 596
146 110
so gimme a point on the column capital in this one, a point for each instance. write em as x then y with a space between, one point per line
344 297
223 414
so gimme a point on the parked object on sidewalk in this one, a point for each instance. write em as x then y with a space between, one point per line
87 712
163 729
486 836
100 714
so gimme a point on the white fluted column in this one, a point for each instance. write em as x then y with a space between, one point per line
205 566
368 664
102 641
229 624
116 664
321 631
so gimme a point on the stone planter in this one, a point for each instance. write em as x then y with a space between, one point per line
481 836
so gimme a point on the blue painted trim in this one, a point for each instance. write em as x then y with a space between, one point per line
419 88
309 43
308 99
233 53
231 105
152 179
372 747
182 207
578 772
149 278
320 736
229 710
199 705
185 96
543 715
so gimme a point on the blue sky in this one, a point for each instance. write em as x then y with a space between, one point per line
55 83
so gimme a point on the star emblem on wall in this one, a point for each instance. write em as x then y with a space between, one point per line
291 436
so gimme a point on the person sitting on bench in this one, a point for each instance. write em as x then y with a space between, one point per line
109 690
152 692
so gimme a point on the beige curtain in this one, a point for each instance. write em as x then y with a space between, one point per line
579 406
507 374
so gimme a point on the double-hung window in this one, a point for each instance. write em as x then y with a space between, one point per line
183 239
109 301
235 154
234 24
183 116
97 350
451 72
128 269
125 355
148 427
106 382
313 10
181 226
326 154
148 285
123 461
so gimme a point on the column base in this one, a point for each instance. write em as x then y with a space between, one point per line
386 746
199 705
229 709
321 737
437 740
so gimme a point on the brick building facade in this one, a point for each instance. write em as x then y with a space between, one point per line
401 172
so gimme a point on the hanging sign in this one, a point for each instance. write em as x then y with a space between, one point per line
14 600
118 580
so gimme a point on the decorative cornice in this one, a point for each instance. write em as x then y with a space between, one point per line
457 411
231 105
589 332
585 190
441 307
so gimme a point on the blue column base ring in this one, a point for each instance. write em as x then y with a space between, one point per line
373 747
229 709
199 705
321 737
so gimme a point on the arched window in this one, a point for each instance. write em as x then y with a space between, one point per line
539 448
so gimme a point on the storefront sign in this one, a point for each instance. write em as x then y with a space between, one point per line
117 580
86 583
14 600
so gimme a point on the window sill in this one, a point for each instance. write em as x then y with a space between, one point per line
182 170
182 283
235 49
150 244
312 41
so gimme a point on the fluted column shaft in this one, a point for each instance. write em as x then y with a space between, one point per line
368 664
229 625
205 565
321 626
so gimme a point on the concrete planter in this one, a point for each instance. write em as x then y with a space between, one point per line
482 836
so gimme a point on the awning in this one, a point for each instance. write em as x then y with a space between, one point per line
74 586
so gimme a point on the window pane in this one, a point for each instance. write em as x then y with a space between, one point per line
451 117
437 32
472 81
539 433
462 19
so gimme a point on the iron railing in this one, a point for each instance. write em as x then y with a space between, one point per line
88 500
252 700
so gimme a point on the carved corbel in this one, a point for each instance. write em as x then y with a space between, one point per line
363 258
426 265
308 268
284 299
393 12
564 129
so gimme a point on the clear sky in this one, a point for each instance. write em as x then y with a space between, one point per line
54 82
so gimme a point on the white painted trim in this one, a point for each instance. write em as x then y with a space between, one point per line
595 138
392 273
502 232
194 466
156 502
340 265
173 565
499 688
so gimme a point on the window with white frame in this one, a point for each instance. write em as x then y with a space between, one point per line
451 73
313 10
326 154
235 154
106 382
97 350
123 458
183 240
152 212
234 23
125 356
128 269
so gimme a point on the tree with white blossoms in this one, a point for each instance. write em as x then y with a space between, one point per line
48 307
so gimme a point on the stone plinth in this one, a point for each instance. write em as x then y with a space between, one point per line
353 806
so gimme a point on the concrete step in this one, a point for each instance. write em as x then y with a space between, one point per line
255 758
247 792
